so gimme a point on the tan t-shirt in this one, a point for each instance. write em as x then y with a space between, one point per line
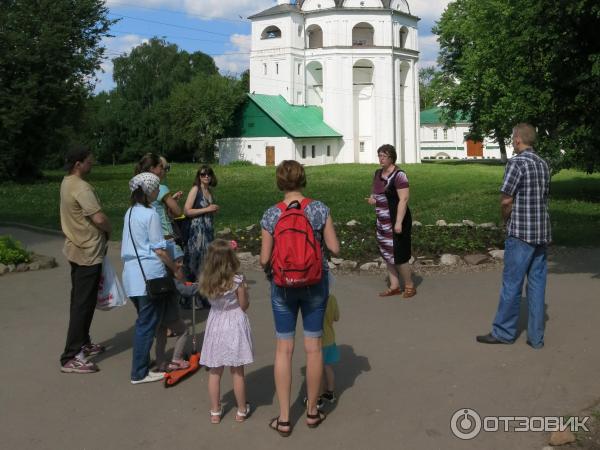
85 244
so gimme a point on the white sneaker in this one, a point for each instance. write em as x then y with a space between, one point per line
150 378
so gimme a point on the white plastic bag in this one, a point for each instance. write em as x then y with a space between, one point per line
110 291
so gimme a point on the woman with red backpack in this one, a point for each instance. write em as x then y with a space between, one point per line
293 234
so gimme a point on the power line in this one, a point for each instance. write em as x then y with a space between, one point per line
117 54
122 16
123 32
174 11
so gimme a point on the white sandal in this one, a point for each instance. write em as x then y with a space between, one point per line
242 416
215 416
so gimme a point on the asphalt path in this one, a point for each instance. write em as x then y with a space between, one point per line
406 366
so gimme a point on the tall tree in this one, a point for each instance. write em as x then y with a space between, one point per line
145 79
427 87
201 111
49 50
505 61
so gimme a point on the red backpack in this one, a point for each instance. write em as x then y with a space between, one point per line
297 258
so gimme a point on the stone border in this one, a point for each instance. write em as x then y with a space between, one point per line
446 263
38 262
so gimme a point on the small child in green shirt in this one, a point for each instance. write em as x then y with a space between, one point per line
331 354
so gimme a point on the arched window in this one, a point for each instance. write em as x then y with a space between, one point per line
315 36
403 37
314 83
363 35
362 72
400 5
271 32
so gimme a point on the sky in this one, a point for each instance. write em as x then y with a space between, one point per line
219 28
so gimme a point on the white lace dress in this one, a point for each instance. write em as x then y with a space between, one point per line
227 337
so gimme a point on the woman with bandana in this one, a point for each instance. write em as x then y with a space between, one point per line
142 225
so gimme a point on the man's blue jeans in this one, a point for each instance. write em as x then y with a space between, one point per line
145 330
522 259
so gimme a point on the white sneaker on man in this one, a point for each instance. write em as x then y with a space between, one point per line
150 378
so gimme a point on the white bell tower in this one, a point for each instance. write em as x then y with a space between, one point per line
277 55
356 59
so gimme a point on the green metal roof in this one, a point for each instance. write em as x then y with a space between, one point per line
433 116
297 121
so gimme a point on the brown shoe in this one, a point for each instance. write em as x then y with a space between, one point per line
390 292
409 292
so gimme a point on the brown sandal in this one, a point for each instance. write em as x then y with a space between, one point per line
318 418
409 292
275 424
390 292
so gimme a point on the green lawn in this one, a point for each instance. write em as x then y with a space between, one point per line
451 191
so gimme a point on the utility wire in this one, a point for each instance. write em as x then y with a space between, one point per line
123 32
175 11
183 27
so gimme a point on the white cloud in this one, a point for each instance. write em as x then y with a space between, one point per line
213 9
115 46
232 9
226 8
236 60
429 49
428 9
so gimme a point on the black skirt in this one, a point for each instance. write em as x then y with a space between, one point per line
402 241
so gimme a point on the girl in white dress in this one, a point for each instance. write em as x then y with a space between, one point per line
227 337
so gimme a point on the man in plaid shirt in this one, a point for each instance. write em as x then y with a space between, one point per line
524 202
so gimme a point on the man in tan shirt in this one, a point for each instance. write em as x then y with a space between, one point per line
86 230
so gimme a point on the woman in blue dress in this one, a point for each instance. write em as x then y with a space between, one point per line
200 208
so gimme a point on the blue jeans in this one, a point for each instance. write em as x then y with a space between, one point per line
311 301
145 330
522 259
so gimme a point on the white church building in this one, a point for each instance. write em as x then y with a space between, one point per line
330 82
438 141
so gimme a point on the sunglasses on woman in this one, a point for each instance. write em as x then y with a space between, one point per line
205 174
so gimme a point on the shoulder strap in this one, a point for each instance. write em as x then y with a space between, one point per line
305 203
134 247
282 206
392 178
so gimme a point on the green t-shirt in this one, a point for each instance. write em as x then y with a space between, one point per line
161 209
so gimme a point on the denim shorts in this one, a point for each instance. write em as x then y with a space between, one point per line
311 301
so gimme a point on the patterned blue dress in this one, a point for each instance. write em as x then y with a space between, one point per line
202 233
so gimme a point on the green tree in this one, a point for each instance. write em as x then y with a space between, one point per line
49 51
427 87
245 80
145 79
201 111
105 126
506 61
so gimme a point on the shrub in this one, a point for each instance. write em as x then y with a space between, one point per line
240 163
12 251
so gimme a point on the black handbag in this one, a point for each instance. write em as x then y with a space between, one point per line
181 230
157 287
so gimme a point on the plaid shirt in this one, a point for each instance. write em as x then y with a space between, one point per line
527 180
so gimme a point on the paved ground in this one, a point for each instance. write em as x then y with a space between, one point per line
406 367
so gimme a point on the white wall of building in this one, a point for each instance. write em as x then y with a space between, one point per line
254 150
384 111
439 142
320 151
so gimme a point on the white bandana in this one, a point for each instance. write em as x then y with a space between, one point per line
146 180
